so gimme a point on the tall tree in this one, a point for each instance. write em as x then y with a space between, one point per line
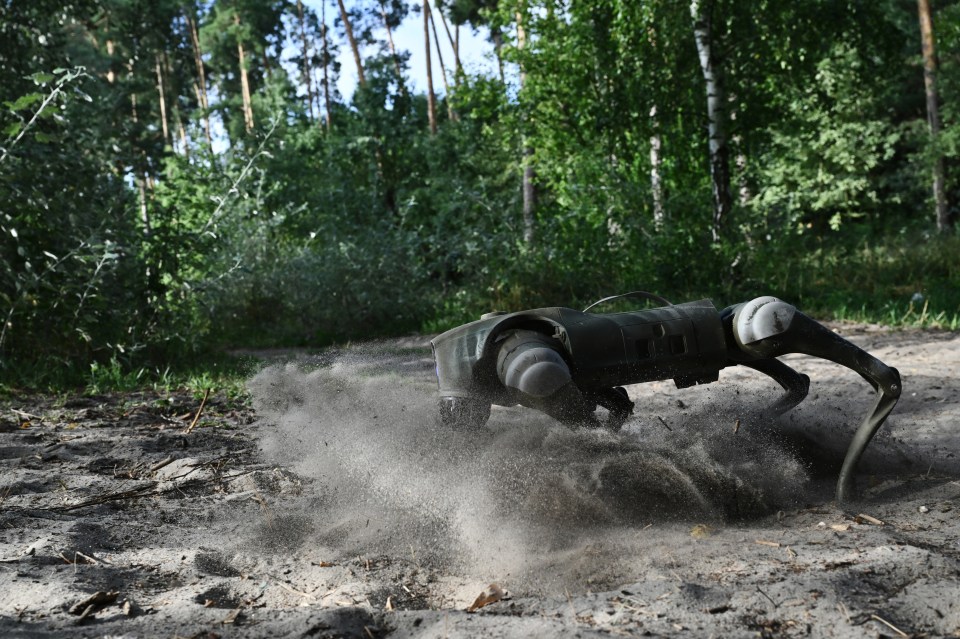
306 71
528 186
944 221
458 67
244 77
393 49
243 40
443 68
705 35
200 84
431 96
478 14
326 64
354 46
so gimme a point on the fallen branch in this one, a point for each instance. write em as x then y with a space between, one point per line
867 518
769 598
133 493
292 589
93 603
196 419
160 465
889 625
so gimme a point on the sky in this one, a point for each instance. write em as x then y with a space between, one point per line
476 52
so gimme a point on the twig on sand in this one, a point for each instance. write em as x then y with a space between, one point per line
88 607
889 625
196 419
867 518
664 422
76 554
141 491
292 589
232 617
160 465
769 598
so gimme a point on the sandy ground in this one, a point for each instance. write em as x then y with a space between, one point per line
330 505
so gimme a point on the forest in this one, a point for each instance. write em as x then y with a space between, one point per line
179 177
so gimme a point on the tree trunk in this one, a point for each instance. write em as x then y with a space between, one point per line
497 38
164 125
458 69
244 82
656 179
740 162
443 68
306 71
431 96
326 62
393 48
353 42
700 10
142 200
944 221
528 185
181 130
201 85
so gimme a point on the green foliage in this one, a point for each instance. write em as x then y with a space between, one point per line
825 160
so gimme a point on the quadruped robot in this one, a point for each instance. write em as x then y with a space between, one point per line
566 363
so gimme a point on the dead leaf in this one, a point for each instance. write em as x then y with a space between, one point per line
492 594
700 531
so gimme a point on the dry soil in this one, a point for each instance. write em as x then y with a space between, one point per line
329 504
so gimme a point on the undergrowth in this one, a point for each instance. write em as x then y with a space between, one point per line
906 281
223 373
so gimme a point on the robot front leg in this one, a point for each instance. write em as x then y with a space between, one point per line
766 328
796 385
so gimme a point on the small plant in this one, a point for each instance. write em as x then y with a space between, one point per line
112 377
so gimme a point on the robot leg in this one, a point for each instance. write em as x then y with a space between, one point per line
766 328
530 365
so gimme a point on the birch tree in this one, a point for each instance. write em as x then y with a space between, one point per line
528 185
704 34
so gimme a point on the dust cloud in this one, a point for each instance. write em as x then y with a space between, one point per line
517 497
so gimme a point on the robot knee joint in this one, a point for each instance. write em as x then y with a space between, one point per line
761 318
